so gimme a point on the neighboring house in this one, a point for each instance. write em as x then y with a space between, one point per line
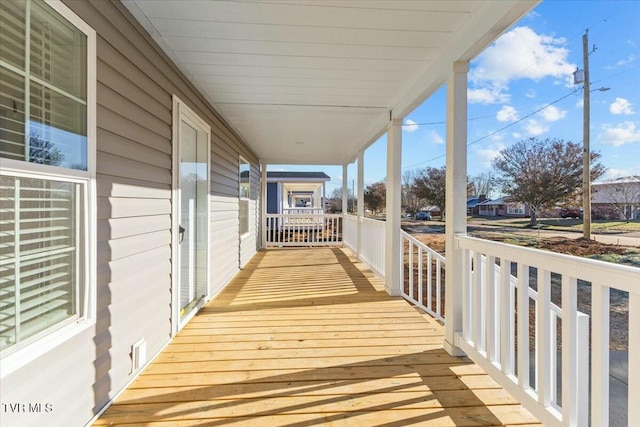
296 192
473 203
503 207
616 198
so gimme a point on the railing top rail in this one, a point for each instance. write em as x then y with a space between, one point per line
423 246
304 215
622 277
379 222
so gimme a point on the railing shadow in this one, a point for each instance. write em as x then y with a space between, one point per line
424 387
309 381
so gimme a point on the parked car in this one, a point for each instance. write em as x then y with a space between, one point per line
423 216
571 213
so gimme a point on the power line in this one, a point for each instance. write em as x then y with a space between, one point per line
442 122
501 129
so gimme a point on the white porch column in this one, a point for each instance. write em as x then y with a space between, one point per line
456 200
394 201
360 201
345 191
324 197
263 205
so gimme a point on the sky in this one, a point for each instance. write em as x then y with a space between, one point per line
522 86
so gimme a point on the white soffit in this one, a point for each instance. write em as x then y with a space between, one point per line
314 81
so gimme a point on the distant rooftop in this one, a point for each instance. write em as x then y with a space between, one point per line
621 180
299 175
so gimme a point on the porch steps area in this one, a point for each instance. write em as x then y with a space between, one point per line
308 337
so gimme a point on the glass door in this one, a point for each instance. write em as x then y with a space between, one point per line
193 215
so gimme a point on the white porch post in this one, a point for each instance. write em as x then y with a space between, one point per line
345 191
394 201
456 197
263 205
360 201
324 197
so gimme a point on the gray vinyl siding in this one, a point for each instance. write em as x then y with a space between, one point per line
134 178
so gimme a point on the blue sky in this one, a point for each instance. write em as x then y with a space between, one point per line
528 68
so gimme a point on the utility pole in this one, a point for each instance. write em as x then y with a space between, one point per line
586 152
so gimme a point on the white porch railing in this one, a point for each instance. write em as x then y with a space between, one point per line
350 231
373 248
422 277
372 244
302 211
497 325
303 230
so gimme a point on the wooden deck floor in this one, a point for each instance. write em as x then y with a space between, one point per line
308 337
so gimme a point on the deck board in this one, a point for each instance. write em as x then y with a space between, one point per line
308 337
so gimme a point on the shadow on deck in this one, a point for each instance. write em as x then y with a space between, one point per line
308 337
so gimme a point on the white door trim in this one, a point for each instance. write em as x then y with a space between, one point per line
182 111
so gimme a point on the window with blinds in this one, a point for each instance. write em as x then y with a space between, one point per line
43 219
43 86
244 194
39 277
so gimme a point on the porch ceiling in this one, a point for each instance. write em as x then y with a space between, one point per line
314 81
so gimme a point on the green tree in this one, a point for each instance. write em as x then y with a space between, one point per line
375 196
542 173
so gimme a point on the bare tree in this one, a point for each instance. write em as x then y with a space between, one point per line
542 173
483 184
431 186
44 152
411 202
335 200
375 196
621 193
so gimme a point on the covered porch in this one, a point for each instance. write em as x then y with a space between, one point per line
306 337
321 94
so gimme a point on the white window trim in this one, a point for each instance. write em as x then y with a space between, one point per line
246 234
43 345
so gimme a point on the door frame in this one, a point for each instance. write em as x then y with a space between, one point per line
180 111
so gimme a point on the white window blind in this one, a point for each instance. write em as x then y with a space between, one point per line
45 99
43 86
39 286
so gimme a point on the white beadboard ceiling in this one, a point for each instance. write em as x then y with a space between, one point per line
314 81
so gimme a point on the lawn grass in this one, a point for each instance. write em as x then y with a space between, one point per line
567 224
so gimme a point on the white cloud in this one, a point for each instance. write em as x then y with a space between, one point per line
488 95
580 104
522 53
553 113
621 106
615 173
517 135
410 126
507 114
535 128
628 60
435 137
531 93
485 156
620 134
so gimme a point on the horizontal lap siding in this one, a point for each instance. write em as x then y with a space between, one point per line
134 130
